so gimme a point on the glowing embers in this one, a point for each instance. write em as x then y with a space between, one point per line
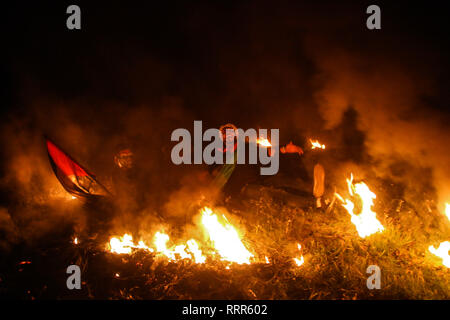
225 238
316 144
299 261
442 252
366 221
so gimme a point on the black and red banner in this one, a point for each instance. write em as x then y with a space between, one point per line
72 176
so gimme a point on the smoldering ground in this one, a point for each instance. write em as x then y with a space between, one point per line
376 99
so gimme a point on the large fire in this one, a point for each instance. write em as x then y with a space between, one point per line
223 236
366 221
447 210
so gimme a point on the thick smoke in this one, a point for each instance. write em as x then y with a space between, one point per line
393 86
309 71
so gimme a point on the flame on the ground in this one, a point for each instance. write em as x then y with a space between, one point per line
301 260
75 240
195 250
125 245
189 251
316 144
366 221
447 210
442 252
225 238
263 142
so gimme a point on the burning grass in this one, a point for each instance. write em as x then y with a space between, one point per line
305 254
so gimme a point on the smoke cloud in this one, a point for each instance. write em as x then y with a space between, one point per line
308 71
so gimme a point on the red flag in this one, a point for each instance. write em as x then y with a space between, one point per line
74 178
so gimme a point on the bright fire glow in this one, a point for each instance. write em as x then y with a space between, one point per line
160 242
197 253
316 144
301 260
191 251
366 221
225 238
442 252
125 244
263 142
75 241
447 210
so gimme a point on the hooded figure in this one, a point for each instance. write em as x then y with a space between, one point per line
223 173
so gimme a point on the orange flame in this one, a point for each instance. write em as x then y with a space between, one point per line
125 245
197 253
316 144
263 142
191 251
225 238
442 252
366 221
301 260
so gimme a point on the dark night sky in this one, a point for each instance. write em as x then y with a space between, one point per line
132 52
